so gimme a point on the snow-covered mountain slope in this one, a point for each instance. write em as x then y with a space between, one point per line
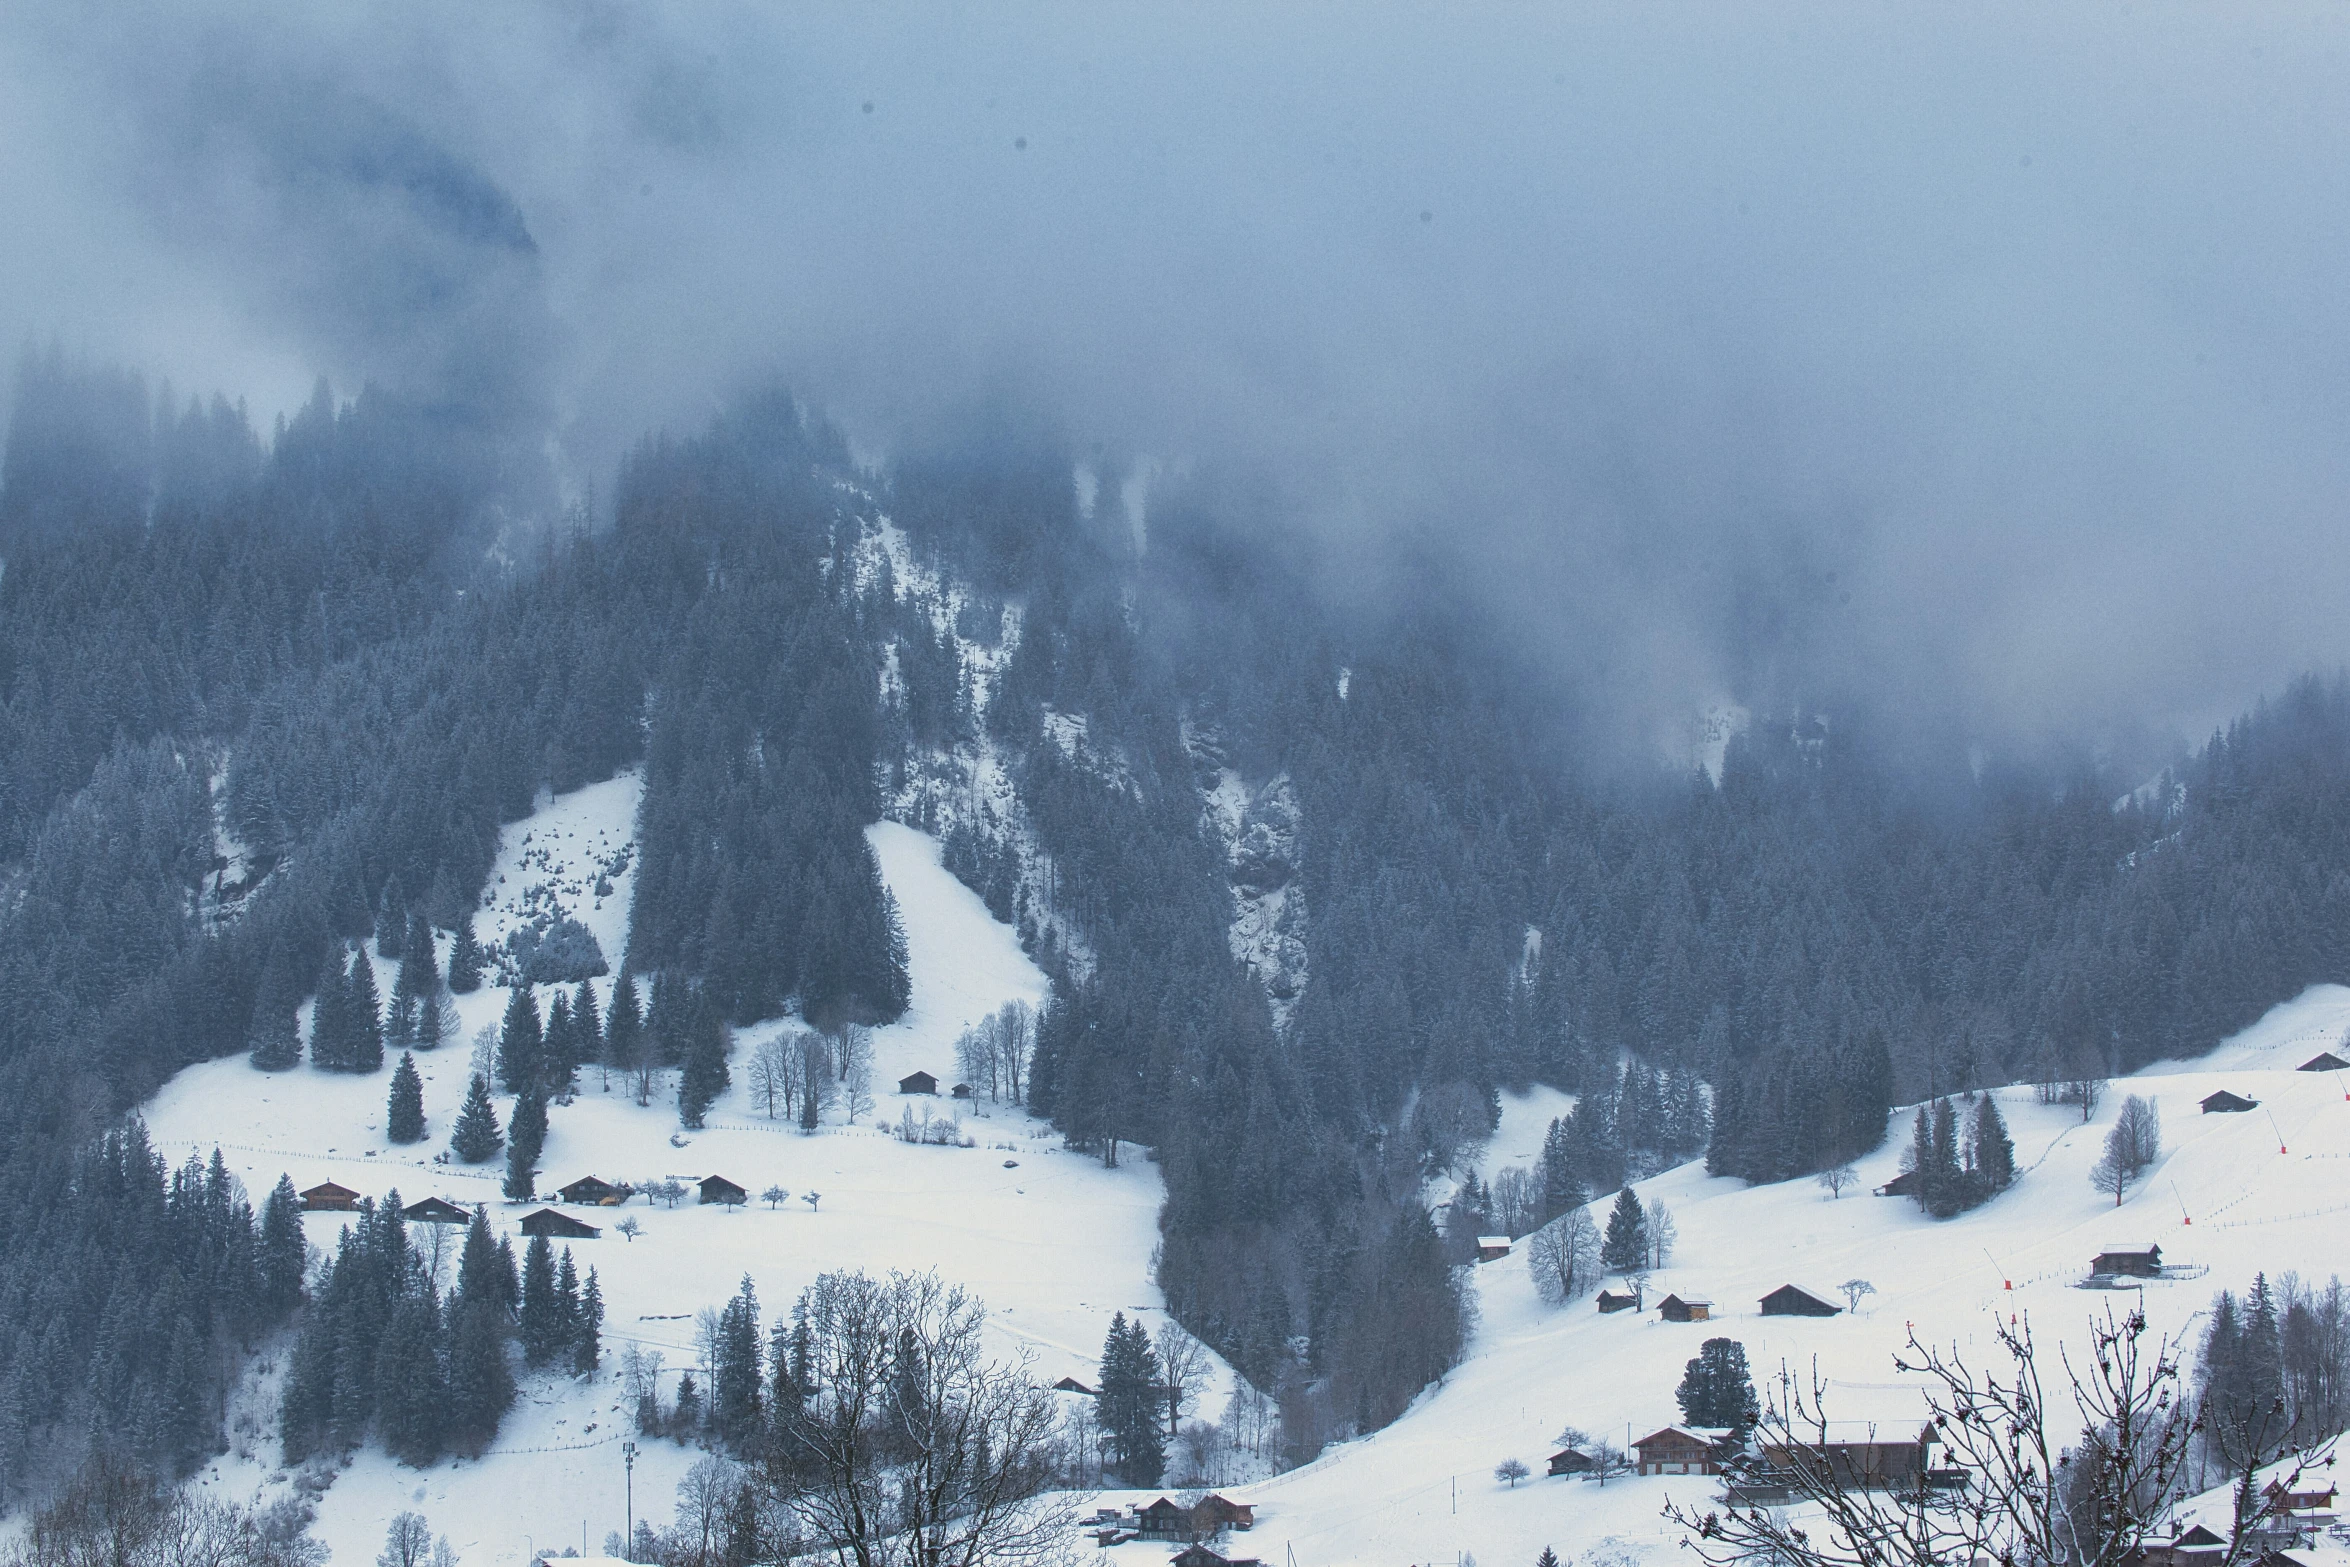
1053 1242
2265 1190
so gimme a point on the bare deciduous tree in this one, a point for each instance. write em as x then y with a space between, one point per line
1837 1181
1855 1291
1563 1256
916 1450
1183 1365
1663 1234
771 1075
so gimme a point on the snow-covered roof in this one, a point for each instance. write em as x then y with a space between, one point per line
1493 1240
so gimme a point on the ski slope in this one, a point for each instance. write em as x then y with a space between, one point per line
1053 1242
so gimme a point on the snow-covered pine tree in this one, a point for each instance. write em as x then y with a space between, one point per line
477 1137
1625 1248
1991 1151
465 959
330 1026
364 1017
404 1116
705 1076
521 1042
526 1136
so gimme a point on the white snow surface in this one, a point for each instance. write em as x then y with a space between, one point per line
1058 1243
1054 1243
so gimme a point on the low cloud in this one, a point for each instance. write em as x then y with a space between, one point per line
1976 359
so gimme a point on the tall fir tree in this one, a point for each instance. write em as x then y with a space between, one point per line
542 1318
624 1028
364 1016
1128 1403
1991 1151
705 1076
587 1344
521 1043
404 1117
1625 1246
526 1138
477 1138
465 959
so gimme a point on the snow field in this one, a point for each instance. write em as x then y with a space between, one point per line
1391 1498
1054 1244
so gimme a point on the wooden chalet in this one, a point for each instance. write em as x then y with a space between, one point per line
2225 1103
2309 1497
1789 1301
1072 1385
435 1210
1213 1514
1163 1520
1201 1556
718 1189
327 1197
1492 1248
590 1192
1681 1450
962 1091
2324 1061
1612 1302
558 1226
1572 1461
1854 1457
2196 1547
1903 1185
2129 1259
917 1083
1674 1309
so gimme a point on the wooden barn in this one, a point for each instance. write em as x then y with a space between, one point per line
1572 1461
1072 1385
1612 1302
718 1189
590 1192
1674 1309
2129 1259
327 1197
2324 1061
435 1210
558 1226
1856 1456
1903 1185
2195 1547
2225 1103
1492 1248
1201 1556
1681 1450
1789 1301
962 1090
1211 1515
917 1083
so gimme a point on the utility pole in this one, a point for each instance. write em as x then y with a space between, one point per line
628 1457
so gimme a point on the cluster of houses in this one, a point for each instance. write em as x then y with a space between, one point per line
1856 1453
1193 1524
2299 1528
1788 1300
588 1191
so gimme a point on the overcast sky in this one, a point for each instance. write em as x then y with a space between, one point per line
2027 323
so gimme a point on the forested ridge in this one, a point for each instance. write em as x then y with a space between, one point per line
339 647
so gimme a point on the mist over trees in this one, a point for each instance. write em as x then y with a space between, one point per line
263 700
